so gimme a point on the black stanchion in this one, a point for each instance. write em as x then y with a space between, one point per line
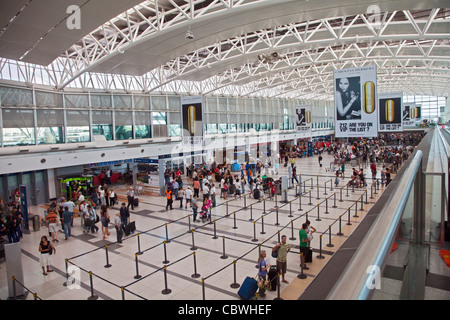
318 213
167 234
166 290
356 210
348 223
301 275
165 254
326 206
215 234
203 288
223 256
340 197
210 215
334 201
234 285
320 256
234 220
251 211
292 231
195 274
276 223
340 226
139 252
318 197
290 209
330 245
300 203
107 265
262 225
189 223
310 202
122 289
137 276
254 232
92 296
193 243
264 206
278 288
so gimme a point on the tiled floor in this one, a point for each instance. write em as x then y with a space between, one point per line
235 238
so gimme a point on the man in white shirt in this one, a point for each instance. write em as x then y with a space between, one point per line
205 191
188 195
130 197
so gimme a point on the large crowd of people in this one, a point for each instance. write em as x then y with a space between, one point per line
209 181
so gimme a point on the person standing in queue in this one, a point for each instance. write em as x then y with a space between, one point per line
130 197
283 249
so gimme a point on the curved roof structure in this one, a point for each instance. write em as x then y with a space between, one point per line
269 48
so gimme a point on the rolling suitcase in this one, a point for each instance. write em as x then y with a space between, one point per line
308 257
136 202
256 194
248 288
130 228
272 277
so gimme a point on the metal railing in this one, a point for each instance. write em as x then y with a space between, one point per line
357 282
414 213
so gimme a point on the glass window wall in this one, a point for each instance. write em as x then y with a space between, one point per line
18 127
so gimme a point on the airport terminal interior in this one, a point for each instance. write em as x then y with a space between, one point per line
224 150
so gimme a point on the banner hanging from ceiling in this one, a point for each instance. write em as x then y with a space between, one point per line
303 119
192 120
356 102
409 114
390 112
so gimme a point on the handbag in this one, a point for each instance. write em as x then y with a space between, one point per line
275 252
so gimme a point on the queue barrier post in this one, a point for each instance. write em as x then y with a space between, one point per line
320 256
223 256
278 288
139 252
292 231
167 234
92 296
107 265
301 275
165 253
195 274
137 276
193 242
234 285
340 226
254 232
330 245
166 290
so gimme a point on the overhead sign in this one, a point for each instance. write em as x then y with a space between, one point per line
303 119
390 112
192 118
356 102
409 114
